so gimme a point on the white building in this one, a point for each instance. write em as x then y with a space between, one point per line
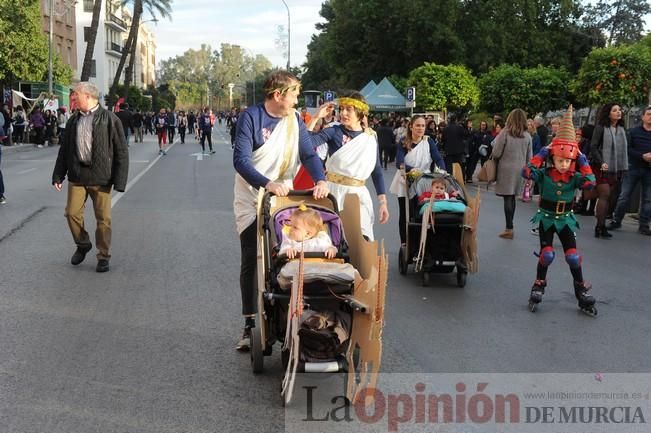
109 44
144 74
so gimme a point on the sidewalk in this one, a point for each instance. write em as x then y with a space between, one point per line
24 147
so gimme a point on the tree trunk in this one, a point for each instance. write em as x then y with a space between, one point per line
90 45
131 39
128 73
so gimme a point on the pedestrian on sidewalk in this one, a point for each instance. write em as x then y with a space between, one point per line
20 122
639 172
609 159
270 140
37 122
512 149
95 158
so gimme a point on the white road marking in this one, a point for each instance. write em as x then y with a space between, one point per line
27 171
118 195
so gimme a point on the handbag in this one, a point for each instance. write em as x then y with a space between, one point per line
488 171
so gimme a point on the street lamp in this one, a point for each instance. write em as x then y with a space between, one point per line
66 5
289 38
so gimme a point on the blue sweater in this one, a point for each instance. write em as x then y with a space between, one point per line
334 136
433 152
254 127
639 143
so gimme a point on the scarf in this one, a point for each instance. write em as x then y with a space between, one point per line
615 149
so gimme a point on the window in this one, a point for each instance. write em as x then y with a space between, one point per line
86 33
69 55
93 68
89 4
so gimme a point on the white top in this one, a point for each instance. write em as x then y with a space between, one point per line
318 244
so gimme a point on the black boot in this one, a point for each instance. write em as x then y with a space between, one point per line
602 232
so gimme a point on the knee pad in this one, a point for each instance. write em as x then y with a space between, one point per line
573 258
547 255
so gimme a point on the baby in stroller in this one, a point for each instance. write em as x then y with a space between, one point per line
439 190
305 230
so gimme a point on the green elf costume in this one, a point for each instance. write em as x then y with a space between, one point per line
555 214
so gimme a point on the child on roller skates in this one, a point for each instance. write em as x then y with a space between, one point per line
567 170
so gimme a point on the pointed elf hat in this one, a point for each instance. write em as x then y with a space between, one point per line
564 143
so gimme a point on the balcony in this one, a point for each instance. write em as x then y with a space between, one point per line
115 22
114 49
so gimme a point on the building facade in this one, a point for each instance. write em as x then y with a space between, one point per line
109 42
145 70
64 35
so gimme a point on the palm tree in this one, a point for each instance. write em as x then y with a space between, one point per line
90 45
155 8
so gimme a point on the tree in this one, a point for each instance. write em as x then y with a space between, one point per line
24 47
90 41
377 38
526 32
441 87
619 74
155 8
623 19
197 72
534 90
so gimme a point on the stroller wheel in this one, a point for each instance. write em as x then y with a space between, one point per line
403 266
257 357
461 278
426 278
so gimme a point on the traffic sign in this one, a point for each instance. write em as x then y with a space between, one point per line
411 94
329 96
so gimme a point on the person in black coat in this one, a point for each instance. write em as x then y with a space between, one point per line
95 158
385 141
453 137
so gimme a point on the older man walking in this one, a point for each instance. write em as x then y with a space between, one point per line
94 157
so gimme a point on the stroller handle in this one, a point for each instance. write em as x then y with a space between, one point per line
302 193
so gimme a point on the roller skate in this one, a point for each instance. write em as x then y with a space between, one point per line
586 300
537 292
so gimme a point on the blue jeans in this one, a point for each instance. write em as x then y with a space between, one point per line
633 176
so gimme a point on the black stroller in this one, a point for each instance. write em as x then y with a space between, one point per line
443 239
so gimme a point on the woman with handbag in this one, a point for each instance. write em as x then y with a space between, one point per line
416 152
609 161
512 149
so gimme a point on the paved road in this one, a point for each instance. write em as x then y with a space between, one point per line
148 347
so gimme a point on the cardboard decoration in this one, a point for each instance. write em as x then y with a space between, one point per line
366 336
470 221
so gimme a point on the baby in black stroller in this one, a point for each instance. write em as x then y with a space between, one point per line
437 207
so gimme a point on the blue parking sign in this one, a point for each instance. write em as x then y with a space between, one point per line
411 94
329 96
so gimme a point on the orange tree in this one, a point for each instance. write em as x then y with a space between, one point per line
440 87
619 74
